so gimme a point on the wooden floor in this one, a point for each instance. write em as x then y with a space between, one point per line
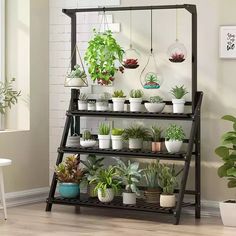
63 221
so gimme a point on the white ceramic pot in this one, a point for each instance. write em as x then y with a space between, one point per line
91 106
173 146
104 141
87 143
129 198
228 213
154 107
116 141
178 105
74 82
118 104
135 104
135 143
167 200
108 195
82 105
102 106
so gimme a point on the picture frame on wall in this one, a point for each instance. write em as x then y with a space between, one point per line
228 42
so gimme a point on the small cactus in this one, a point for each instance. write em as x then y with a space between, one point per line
86 135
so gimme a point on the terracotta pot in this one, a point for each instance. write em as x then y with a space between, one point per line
152 195
156 146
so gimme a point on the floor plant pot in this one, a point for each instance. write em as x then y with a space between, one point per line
154 107
104 141
135 143
102 106
129 198
135 104
167 200
91 190
74 82
69 190
156 146
178 105
228 213
173 146
118 104
117 142
83 105
152 195
91 106
108 195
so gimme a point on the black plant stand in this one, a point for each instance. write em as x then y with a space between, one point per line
193 148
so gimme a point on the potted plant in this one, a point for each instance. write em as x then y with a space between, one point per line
107 184
91 105
104 136
76 78
116 138
135 134
151 173
73 140
87 139
155 104
92 166
178 101
227 152
136 98
174 137
102 102
168 183
69 176
131 63
130 175
102 55
118 99
83 98
155 133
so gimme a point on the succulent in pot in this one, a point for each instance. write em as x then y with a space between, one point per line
87 139
104 136
83 101
178 100
227 152
91 105
151 175
136 98
131 63
69 176
155 104
174 136
135 134
168 182
76 78
92 165
107 184
118 99
155 133
116 138
130 175
102 102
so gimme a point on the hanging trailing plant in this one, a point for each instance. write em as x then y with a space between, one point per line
101 56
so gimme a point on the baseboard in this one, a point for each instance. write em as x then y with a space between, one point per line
26 197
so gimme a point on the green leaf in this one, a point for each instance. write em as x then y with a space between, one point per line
234 125
222 151
222 171
232 183
229 118
231 172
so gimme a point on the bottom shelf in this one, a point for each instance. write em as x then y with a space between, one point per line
117 203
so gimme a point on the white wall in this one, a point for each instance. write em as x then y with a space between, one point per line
215 75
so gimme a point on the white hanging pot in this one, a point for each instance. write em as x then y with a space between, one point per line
129 198
167 200
173 146
108 195
104 141
83 105
117 142
135 143
118 104
178 105
135 104
74 82
102 106
228 213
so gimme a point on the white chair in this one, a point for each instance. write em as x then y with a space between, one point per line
3 162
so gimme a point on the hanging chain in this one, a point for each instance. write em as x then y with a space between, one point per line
151 31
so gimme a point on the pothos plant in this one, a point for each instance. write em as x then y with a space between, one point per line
101 56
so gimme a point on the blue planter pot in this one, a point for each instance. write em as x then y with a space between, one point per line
69 190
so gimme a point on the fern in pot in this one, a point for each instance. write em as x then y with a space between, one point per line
118 99
107 184
174 136
69 176
116 138
92 165
102 102
83 101
87 140
155 134
178 100
155 104
104 136
135 99
136 134
130 175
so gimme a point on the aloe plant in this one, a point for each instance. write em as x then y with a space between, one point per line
155 133
104 129
118 94
179 92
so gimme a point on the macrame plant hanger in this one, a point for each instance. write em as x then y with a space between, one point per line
150 77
